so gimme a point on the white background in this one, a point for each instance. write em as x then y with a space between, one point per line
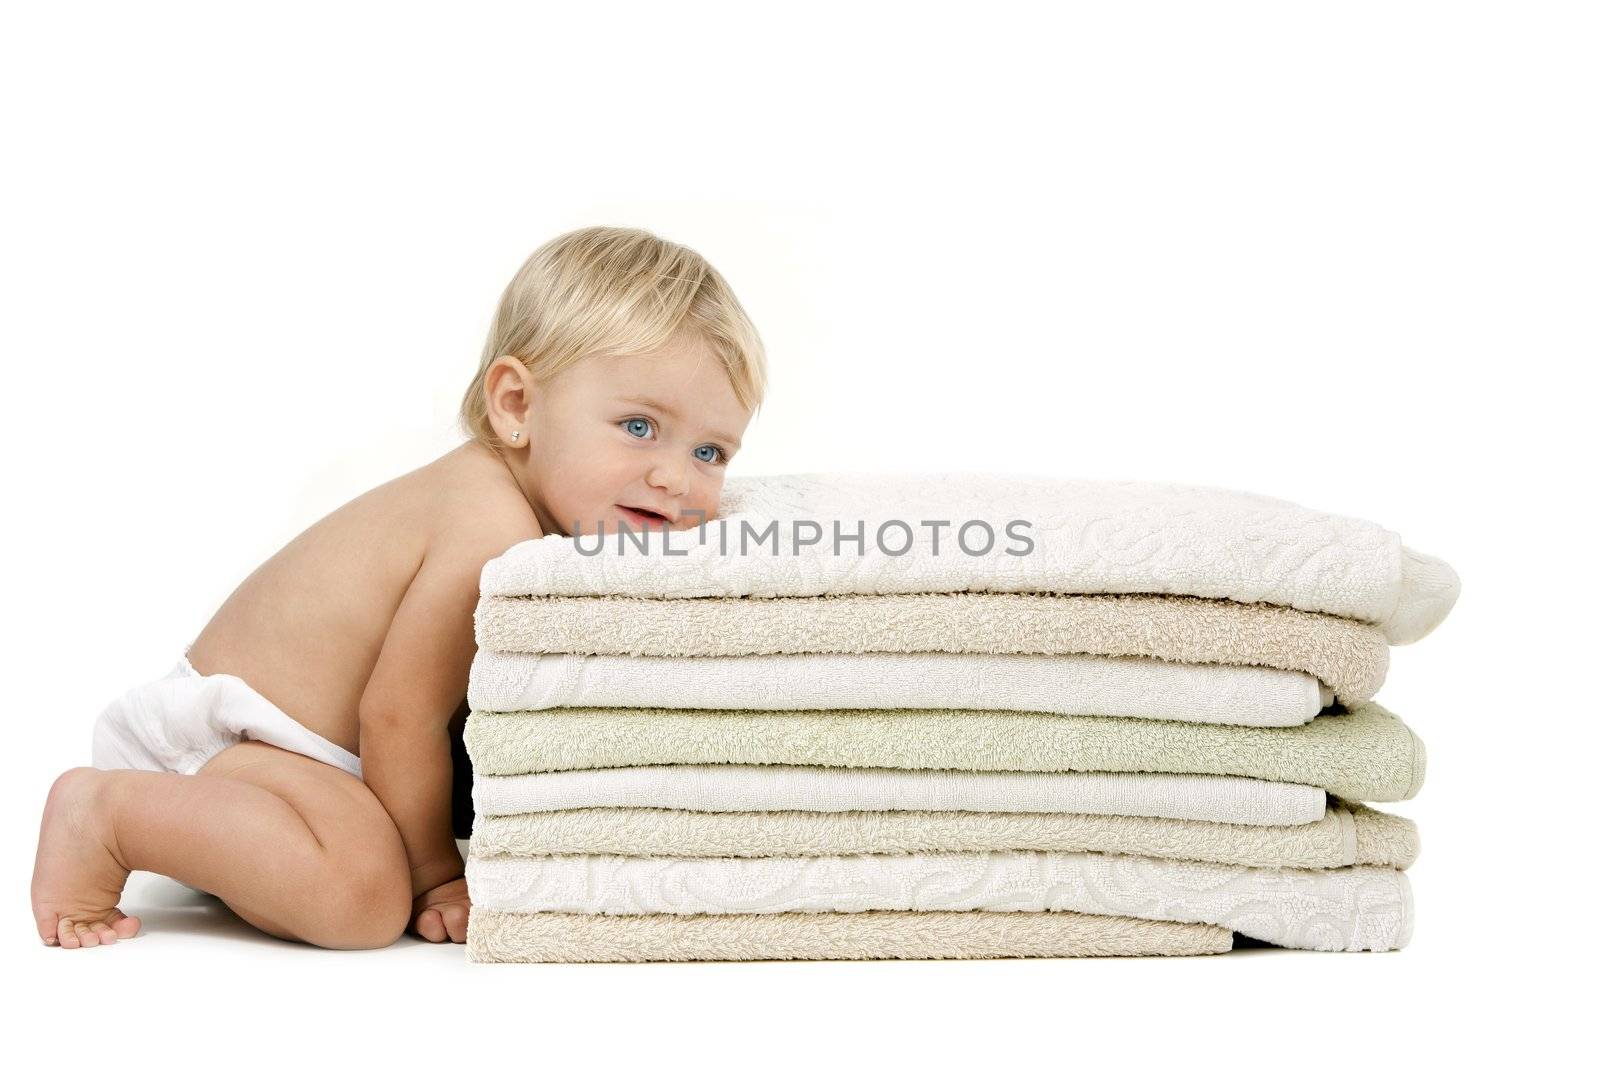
1343 254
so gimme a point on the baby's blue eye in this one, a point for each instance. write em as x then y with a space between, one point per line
640 429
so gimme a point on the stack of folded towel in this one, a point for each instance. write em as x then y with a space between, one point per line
843 722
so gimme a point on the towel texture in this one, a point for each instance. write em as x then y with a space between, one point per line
1065 685
1350 657
1347 909
555 937
718 787
1348 835
1365 753
1085 537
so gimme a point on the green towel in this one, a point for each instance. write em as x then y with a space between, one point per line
1361 753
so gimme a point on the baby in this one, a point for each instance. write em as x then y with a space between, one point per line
296 762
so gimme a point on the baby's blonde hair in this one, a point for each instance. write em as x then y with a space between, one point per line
608 290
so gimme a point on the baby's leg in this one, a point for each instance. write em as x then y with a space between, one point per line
297 848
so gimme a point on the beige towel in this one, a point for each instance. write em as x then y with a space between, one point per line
1349 834
1366 753
1349 657
556 937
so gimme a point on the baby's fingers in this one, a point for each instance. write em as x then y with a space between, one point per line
429 925
455 920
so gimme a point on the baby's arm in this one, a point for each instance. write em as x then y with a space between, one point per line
415 688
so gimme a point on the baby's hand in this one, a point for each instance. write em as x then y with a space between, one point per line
441 913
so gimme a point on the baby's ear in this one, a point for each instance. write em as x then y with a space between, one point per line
508 391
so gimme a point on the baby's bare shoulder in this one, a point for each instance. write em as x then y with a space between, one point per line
481 511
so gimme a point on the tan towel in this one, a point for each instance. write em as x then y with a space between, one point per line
557 937
1349 834
1349 657
1366 753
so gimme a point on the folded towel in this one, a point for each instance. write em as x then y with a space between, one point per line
1084 537
1350 657
1349 835
1347 909
555 937
1365 753
1065 685
716 787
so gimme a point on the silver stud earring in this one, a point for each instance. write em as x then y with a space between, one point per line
515 436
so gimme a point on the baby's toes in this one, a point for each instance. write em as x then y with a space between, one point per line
68 934
124 926
85 933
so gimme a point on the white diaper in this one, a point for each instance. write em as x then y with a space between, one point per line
179 722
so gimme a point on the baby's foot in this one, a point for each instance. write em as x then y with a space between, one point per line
77 878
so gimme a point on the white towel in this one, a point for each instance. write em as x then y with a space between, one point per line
1086 537
725 787
1065 685
1348 909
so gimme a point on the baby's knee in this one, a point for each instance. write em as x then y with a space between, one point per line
366 905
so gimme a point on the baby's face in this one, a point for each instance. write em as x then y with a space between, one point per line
613 434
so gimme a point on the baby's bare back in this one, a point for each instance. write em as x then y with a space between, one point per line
305 628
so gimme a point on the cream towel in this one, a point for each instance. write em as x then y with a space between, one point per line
1348 835
1366 753
1065 685
1348 909
1350 657
719 787
555 937
1086 537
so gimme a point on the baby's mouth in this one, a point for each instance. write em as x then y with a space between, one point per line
642 517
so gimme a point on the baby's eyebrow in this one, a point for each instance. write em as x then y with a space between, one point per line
668 409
